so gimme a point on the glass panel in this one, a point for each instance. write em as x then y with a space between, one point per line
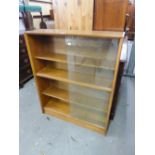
99 52
92 98
96 59
82 69
86 114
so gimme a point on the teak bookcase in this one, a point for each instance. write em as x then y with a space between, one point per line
75 73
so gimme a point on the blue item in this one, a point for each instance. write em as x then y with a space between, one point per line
29 8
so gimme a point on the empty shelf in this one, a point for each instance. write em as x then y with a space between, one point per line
58 106
75 78
57 93
85 62
52 57
75 98
62 110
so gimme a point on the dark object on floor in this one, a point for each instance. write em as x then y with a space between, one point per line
42 23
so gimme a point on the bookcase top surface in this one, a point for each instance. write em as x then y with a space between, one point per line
98 34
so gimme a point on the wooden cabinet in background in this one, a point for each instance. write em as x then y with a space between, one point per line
130 24
25 71
73 14
109 15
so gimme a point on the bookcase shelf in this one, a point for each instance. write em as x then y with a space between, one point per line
57 93
96 104
63 59
62 75
75 73
62 110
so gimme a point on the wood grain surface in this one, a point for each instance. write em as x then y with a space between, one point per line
109 15
73 14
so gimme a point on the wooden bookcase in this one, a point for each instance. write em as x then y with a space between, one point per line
75 73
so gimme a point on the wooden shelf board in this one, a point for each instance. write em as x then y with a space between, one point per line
62 59
63 95
62 75
52 57
94 34
57 93
61 110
